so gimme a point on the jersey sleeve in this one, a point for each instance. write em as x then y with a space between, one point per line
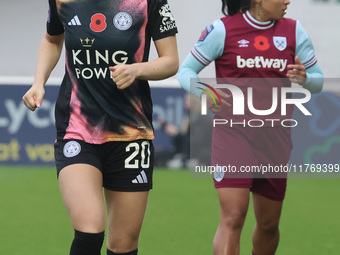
187 71
161 22
54 25
304 47
305 52
210 45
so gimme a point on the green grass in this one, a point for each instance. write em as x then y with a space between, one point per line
181 218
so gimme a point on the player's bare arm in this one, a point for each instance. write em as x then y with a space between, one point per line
49 54
163 67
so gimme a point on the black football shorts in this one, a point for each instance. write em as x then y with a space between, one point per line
125 165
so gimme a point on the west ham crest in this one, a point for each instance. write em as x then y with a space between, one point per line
280 42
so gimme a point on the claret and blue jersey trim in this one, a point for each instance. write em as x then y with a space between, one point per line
257 24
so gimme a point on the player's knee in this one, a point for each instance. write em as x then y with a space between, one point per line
123 244
88 223
268 226
234 220
87 243
134 252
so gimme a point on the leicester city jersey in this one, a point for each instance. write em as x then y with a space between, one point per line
100 34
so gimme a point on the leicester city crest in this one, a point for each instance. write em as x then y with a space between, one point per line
280 42
122 21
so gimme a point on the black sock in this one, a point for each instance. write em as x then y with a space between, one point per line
87 243
128 253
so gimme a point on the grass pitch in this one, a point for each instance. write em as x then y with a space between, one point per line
181 217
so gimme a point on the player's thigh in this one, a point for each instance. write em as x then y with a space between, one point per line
81 189
125 213
234 206
267 211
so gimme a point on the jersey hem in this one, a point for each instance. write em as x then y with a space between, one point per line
111 139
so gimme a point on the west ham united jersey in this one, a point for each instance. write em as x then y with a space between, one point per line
245 50
100 34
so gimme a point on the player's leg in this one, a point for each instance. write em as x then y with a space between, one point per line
81 185
81 189
128 173
266 233
234 205
269 192
125 212
231 148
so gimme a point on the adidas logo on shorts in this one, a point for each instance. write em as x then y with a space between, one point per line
141 178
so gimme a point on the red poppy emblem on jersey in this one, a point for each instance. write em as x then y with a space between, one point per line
98 22
261 43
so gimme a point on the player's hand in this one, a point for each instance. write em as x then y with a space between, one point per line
297 73
123 75
171 129
34 97
215 108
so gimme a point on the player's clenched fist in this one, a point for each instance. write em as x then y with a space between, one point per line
123 75
33 98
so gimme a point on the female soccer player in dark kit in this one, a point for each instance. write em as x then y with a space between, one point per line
254 47
104 112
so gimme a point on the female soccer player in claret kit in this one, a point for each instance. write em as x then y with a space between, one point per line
104 112
252 43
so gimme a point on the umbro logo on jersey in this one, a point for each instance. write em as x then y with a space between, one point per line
75 21
243 43
141 178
